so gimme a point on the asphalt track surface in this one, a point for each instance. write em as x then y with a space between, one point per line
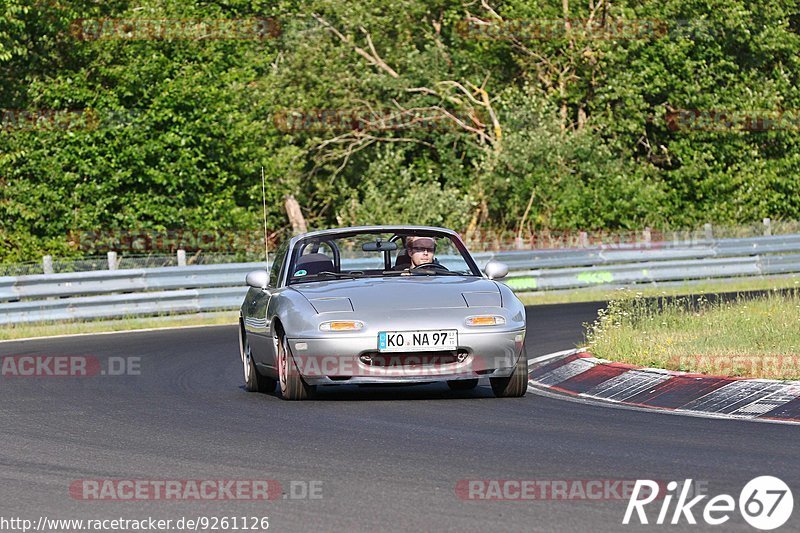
388 458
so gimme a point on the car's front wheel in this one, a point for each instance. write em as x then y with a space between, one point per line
514 385
253 381
292 385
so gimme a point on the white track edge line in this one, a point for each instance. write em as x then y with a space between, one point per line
589 400
544 390
67 335
549 356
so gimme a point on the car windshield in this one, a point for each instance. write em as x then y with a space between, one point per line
378 254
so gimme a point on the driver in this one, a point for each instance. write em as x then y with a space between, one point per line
420 250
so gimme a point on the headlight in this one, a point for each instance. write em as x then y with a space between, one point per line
341 325
485 320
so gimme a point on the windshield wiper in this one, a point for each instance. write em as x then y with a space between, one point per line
316 277
433 272
336 274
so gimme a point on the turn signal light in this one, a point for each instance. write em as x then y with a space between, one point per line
341 325
485 320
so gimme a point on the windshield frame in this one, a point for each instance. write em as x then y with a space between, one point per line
298 244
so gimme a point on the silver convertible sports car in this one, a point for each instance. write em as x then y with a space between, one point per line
380 304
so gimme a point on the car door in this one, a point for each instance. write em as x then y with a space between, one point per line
259 325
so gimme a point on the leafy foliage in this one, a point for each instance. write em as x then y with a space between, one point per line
454 128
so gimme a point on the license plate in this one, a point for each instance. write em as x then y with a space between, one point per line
417 341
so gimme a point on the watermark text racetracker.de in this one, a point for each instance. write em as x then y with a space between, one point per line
593 28
133 29
373 120
550 29
740 365
147 240
721 120
548 489
88 119
398 364
131 490
68 366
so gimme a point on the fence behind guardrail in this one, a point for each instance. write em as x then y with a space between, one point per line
183 289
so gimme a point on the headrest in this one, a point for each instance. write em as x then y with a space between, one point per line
314 264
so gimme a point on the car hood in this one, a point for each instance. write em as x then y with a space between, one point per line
407 292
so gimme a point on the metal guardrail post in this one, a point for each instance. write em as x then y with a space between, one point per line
47 264
112 260
181 258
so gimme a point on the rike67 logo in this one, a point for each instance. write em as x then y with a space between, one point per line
765 503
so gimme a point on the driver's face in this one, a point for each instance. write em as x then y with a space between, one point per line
420 250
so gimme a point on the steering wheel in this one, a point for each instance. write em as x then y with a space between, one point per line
435 266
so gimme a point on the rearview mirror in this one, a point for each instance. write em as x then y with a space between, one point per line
379 246
258 279
495 270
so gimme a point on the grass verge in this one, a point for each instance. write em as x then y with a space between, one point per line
674 289
24 331
757 337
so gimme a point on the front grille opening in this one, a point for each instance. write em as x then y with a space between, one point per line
413 360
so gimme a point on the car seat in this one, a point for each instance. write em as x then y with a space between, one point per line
314 264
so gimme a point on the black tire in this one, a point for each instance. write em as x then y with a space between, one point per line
254 381
462 384
291 382
514 385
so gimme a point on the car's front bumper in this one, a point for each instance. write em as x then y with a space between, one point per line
355 359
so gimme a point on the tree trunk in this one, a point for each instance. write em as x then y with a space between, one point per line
295 215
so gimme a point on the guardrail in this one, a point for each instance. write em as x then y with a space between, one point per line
660 262
166 290
122 293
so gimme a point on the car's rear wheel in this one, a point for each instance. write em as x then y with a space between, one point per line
462 384
514 385
292 385
253 380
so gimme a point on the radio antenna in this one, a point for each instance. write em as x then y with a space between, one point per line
264 204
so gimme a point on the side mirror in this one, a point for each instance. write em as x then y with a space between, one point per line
258 279
495 270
